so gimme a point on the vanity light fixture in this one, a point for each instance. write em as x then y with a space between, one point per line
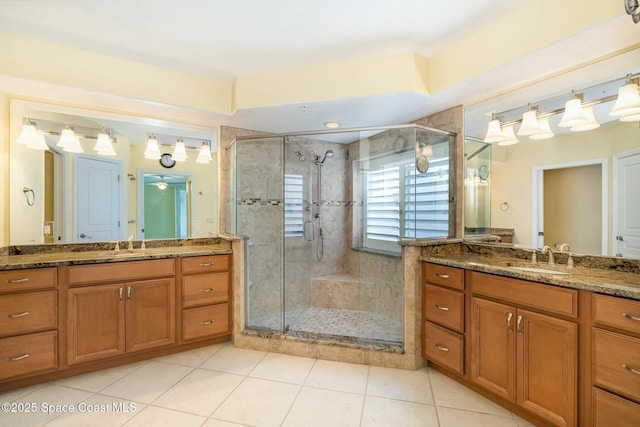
31 137
494 131
74 146
204 154
179 152
103 144
509 136
530 125
573 112
628 102
67 137
590 124
152 151
545 129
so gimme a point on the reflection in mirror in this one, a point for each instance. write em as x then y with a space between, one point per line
477 188
579 186
92 196
165 206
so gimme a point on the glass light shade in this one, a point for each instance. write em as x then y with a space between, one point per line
628 101
530 124
509 136
38 143
162 185
66 138
74 146
631 118
573 114
590 124
103 145
494 132
545 129
27 135
179 153
204 156
153 150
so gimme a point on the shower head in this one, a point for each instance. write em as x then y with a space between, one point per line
329 153
301 157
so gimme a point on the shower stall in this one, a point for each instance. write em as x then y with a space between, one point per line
324 213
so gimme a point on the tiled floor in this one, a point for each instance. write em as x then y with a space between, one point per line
225 386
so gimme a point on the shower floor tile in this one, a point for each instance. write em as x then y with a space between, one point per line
334 321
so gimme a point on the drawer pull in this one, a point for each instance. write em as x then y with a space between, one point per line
439 307
206 322
206 264
441 347
15 359
13 316
206 290
129 293
442 276
630 369
520 332
509 324
120 293
628 316
26 279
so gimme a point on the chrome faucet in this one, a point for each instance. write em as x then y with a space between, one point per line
131 243
564 247
547 249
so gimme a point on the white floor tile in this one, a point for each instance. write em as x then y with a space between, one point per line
11 395
339 376
282 367
96 381
218 423
412 386
161 417
47 395
450 394
192 358
148 382
200 392
450 417
99 411
380 412
258 402
319 408
233 360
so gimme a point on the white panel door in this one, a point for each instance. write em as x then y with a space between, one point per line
628 206
98 199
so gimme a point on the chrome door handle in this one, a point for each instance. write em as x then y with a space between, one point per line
441 347
628 316
630 369
442 276
120 293
509 324
518 326
26 279
440 307
129 293
13 316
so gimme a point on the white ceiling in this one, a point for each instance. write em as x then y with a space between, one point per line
225 39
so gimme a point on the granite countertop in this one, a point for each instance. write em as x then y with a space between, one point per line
98 254
602 280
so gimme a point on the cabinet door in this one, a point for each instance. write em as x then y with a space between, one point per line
150 314
547 367
95 323
493 351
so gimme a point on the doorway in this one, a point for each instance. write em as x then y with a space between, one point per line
570 205
626 204
164 205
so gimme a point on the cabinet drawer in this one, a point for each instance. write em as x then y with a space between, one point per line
205 289
617 312
120 271
28 354
27 312
31 278
444 275
553 299
206 264
444 347
203 322
614 357
611 410
444 307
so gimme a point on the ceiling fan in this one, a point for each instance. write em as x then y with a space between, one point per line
632 8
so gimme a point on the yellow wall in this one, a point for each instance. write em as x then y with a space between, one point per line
4 169
513 165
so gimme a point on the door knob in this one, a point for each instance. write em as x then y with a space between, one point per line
84 236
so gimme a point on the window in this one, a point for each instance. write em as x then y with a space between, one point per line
425 209
293 203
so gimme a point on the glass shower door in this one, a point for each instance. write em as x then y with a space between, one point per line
259 216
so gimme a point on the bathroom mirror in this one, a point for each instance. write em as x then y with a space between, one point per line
566 189
88 197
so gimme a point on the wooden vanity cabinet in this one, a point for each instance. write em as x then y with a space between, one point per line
28 322
109 319
616 361
522 349
206 295
443 316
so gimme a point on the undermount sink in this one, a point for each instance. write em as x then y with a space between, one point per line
538 270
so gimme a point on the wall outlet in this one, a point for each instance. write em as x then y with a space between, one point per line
47 229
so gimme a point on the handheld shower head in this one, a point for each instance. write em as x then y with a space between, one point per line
328 153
